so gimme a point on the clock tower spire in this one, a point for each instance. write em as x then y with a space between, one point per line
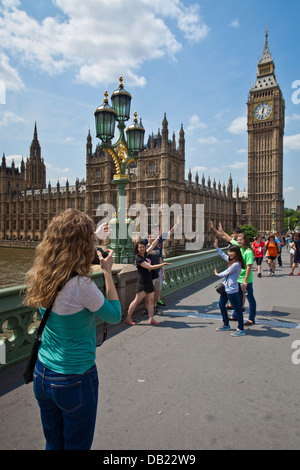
265 125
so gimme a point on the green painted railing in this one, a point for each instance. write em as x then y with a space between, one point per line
188 269
18 323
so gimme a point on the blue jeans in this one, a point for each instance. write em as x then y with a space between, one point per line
68 405
251 300
237 306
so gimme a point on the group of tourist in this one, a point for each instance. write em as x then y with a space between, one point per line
65 378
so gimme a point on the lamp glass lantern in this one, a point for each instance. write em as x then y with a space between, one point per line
120 100
105 118
135 136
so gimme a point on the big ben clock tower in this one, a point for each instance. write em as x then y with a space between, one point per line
265 124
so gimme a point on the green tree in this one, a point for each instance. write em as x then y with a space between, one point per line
291 219
250 231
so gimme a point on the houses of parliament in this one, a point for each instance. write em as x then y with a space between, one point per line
27 203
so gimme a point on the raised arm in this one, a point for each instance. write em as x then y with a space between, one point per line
153 245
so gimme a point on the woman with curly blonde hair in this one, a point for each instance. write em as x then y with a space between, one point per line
65 377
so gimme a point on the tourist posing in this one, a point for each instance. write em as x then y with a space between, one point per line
65 377
144 287
231 293
245 279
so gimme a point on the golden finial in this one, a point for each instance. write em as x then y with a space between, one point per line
105 97
121 82
135 117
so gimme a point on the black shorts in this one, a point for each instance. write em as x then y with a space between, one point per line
258 260
148 288
272 257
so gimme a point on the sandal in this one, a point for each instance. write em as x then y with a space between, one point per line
249 323
130 322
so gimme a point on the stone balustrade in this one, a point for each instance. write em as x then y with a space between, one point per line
18 323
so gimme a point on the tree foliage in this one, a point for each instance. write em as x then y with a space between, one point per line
291 219
250 231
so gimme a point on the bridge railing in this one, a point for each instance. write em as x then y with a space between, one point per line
18 323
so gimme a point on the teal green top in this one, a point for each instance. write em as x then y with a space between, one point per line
248 257
69 341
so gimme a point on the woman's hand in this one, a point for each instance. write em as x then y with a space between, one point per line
106 263
216 243
216 272
103 231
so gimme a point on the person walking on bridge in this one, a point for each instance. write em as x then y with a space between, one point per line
296 246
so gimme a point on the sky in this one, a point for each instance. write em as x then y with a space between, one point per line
193 60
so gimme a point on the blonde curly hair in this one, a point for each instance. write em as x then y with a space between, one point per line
67 247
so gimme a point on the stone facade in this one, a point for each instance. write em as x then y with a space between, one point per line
266 108
27 204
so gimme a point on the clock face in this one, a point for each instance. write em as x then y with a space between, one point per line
262 111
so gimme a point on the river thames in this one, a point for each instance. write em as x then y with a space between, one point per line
14 263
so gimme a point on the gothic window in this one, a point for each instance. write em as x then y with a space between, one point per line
152 168
97 200
152 197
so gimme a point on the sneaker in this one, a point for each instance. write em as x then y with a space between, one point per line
161 303
291 274
270 273
298 274
156 310
259 275
223 328
238 333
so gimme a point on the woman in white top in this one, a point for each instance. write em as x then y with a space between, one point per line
231 293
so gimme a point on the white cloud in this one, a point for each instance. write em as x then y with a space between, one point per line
200 169
235 24
292 142
195 123
293 117
241 151
290 189
16 158
8 118
99 39
207 140
9 75
238 125
237 165
56 169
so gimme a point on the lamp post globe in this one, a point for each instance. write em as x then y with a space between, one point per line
105 117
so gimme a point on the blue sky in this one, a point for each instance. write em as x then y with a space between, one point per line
193 60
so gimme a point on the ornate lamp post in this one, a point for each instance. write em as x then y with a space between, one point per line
273 215
123 153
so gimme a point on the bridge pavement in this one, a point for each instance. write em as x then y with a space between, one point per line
184 386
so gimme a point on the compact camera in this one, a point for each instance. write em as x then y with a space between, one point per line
103 253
